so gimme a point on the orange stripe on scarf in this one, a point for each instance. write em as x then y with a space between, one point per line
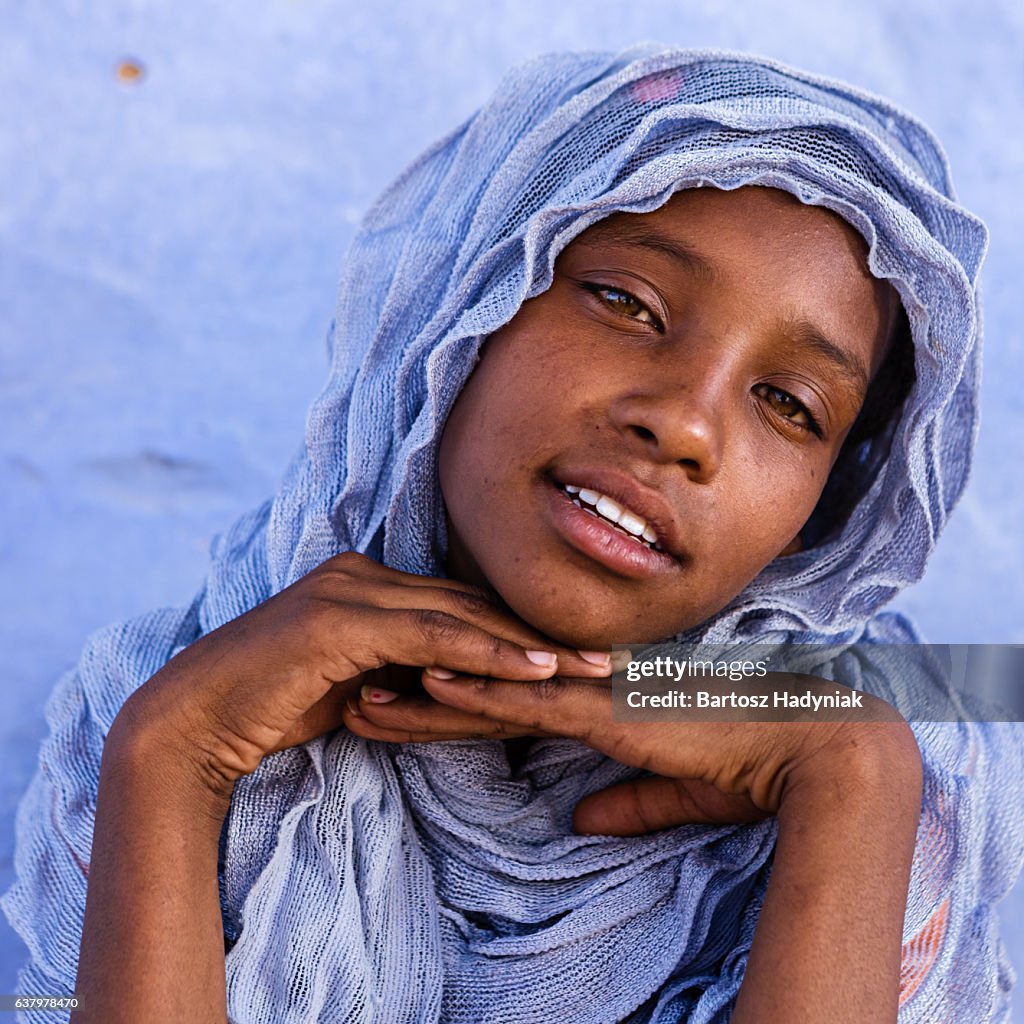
919 953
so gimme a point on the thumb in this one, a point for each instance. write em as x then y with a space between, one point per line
647 805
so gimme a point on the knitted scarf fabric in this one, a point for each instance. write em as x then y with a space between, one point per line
368 882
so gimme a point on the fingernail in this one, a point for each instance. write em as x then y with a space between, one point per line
545 658
353 708
375 695
601 658
621 660
439 673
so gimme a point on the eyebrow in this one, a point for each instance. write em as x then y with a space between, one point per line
805 335
638 234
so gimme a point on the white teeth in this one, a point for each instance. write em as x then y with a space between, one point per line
613 512
609 509
633 524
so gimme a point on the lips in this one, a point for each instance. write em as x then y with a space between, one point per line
601 540
632 496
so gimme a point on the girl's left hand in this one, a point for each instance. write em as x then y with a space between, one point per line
710 772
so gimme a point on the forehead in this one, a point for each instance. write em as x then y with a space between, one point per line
748 220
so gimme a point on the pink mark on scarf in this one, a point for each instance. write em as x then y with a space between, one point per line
658 88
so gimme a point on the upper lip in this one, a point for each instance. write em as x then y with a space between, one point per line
627 491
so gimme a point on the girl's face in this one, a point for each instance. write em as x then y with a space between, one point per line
697 368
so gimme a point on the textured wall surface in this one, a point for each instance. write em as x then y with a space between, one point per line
177 185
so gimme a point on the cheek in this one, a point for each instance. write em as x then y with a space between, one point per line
776 507
459 458
508 407
478 443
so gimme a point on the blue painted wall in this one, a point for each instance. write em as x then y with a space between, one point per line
169 246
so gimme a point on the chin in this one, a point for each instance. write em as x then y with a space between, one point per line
590 627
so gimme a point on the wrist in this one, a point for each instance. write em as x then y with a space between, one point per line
160 758
862 767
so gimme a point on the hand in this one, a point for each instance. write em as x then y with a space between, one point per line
281 673
419 718
714 772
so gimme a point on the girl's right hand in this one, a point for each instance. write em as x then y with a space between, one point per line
282 673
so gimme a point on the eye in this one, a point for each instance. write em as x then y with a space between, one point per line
624 304
790 408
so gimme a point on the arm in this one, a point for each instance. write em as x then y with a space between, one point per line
827 944
152 943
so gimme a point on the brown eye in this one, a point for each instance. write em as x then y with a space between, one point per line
624 304
788 407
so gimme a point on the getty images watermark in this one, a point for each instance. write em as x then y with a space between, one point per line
827 682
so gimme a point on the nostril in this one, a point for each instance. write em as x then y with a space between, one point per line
647 435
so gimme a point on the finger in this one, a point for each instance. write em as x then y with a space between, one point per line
582 709
352 562
562 706
480 606
381 728
476 607
647 805
430 637
426 716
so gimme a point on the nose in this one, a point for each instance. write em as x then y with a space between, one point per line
674 422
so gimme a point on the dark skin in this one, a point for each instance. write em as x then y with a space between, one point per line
709 394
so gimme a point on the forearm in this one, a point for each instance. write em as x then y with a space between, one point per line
827 944
152 944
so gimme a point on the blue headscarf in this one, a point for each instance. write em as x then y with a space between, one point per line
363 881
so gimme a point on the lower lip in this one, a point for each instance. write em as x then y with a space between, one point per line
598 539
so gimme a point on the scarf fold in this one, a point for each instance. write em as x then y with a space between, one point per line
429 883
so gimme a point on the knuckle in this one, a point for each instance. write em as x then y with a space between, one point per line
340 569
348 560
641 807
317 610
547 689
437 628
330 632
471 605
481 684
321 588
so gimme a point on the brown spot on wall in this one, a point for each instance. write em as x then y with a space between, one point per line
130 72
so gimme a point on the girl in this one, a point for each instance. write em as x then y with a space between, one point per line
732 307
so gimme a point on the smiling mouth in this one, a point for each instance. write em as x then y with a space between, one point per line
620 518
